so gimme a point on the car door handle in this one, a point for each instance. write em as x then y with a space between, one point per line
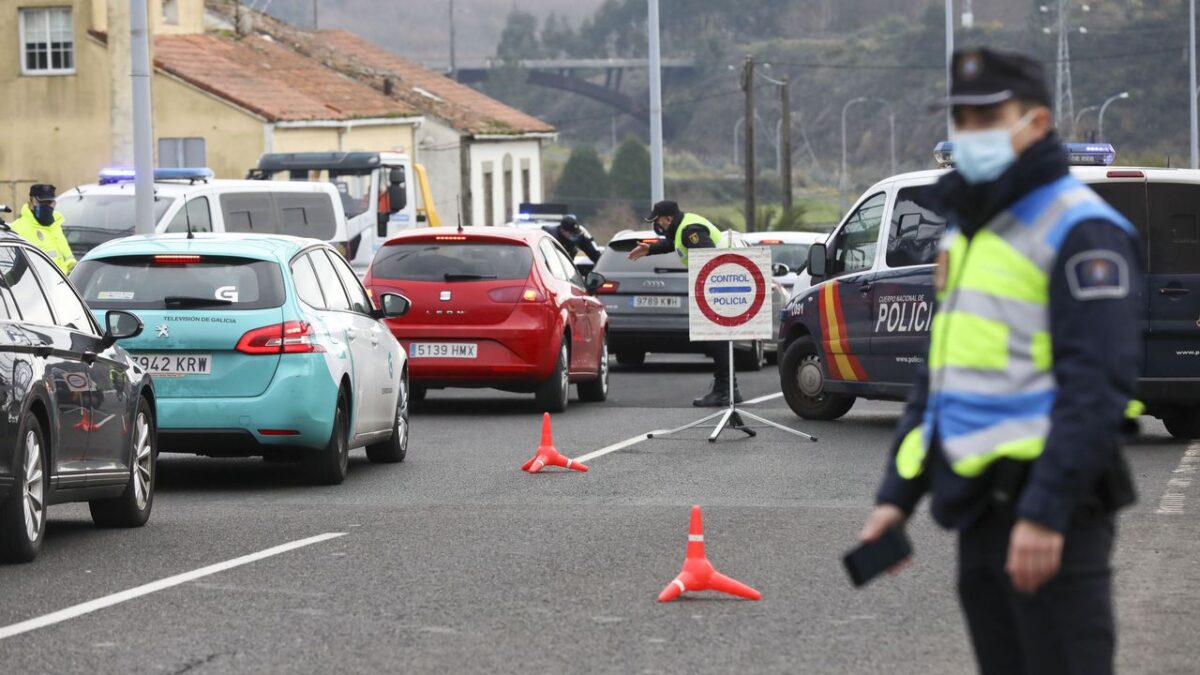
43 352
90 357
864 287
1174 290
350 335
374 341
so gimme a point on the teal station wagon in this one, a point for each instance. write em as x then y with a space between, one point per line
258 345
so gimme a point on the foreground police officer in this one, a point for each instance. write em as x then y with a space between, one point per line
573 237
41 225
1014 425
680 232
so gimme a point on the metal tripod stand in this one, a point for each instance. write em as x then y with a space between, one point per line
731 418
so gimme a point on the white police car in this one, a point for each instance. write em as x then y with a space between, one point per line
862 330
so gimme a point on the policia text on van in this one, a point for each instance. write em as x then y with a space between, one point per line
862 329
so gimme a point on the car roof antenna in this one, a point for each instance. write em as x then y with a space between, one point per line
187 217
460 227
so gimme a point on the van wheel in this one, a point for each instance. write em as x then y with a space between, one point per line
396 447
552 393
132 509
750 359
596 391
23 515
802 379
1184 424
631 358
328 465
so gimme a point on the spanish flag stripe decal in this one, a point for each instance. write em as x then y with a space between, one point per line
843 361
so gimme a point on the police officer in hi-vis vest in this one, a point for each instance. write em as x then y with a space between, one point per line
41 225
680 232
1014 426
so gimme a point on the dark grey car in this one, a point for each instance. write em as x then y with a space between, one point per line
78 420
647 306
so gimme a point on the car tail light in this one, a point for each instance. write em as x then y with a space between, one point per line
450 237
608 287
771 242
292 337
278 432
511 294
176 259
532 295
1126 174
651 241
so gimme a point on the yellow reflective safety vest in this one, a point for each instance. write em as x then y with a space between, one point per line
991 383
718 239
49 238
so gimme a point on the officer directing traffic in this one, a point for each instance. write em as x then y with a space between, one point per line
681 232
573 237
41 225
1014 424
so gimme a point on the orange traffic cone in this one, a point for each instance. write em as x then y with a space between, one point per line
85 423
698 573
547 455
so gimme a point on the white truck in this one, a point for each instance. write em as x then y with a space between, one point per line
382 193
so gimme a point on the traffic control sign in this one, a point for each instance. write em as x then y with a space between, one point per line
729 294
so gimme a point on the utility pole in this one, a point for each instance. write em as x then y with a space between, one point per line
143 122
316 16
748 87
1064 100
785 171
453 60
1195 135
949 60
656 128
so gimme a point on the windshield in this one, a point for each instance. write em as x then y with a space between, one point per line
179 282
792 255
92 219
453 262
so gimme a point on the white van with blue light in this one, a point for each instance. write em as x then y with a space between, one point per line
191 199
862 329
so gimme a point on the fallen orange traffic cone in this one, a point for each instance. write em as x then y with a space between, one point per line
547 455
698 573
85 424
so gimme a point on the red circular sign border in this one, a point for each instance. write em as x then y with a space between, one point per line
759 296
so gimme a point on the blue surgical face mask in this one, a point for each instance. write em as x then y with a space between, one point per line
44 214
981 156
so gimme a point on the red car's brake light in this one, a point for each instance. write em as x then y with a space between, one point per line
771 242
1126 174
450 237
293 337
608 287
176 259
511 294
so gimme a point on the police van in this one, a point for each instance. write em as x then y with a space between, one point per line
190 199
862 329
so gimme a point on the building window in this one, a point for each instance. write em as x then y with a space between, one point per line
489 201
47 41
176 153
526 182
170 12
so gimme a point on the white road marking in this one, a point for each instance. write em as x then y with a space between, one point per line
762 399
155 586
1172 501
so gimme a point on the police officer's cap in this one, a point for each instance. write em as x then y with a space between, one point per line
663 208
983 77
569 222
42 191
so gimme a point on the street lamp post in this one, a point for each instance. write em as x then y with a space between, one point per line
1081 113
892 128
1195 132
1107 102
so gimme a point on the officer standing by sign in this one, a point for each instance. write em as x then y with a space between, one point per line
1014 426
573 237
41 225
680 232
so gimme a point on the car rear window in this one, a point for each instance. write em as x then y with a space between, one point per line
189 282
453 261
615 259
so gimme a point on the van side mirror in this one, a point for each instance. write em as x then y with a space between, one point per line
397 190
816 260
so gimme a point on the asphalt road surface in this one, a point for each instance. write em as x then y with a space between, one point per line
456 561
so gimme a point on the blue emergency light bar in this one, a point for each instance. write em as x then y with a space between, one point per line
1078 154
193 174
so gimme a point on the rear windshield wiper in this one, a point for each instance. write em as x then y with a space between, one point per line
467 277
669 270
189 301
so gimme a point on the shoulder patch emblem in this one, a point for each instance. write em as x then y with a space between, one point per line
694 238
1098 274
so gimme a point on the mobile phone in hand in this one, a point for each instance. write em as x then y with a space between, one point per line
873 558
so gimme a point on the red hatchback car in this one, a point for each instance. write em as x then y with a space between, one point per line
495 307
